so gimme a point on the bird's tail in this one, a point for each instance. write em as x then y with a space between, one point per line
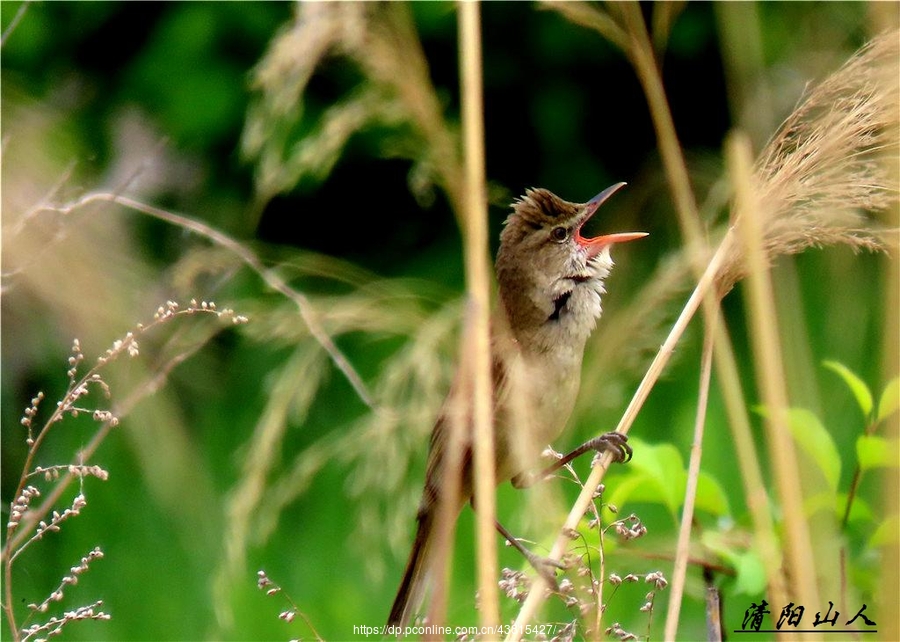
415 579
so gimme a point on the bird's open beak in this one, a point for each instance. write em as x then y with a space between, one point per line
595 245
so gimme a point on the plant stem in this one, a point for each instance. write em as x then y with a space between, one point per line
770 375
682 549
478 285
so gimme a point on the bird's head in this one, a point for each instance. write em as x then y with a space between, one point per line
551 277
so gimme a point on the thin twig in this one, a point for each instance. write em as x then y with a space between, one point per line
149 387
270 277
682 549
758 502
20 13
18 532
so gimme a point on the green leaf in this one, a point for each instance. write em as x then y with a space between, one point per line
873 451
825 501
656 475
860 511
886 534
722 544
890 399
751 574
663 463
631 487
857 386
711 497
816 442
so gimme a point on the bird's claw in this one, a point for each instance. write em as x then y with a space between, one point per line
614 443
546 568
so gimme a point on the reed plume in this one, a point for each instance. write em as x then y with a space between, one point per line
830 161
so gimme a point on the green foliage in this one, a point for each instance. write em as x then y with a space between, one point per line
749 572
889 401
873 451
885 533
817 442
813 438
857 386
658 476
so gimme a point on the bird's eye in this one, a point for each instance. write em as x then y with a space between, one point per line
559 234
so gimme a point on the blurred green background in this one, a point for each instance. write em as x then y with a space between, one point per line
257 453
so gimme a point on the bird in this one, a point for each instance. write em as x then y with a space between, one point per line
550 284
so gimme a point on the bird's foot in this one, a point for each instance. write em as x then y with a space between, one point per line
545 567
612 442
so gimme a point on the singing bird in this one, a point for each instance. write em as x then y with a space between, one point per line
551 280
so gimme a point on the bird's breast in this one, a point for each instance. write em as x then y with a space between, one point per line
535 408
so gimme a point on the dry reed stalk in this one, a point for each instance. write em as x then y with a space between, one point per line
889 591
682 548
643 58
758 502
478 278
381 40
889 588
797 559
